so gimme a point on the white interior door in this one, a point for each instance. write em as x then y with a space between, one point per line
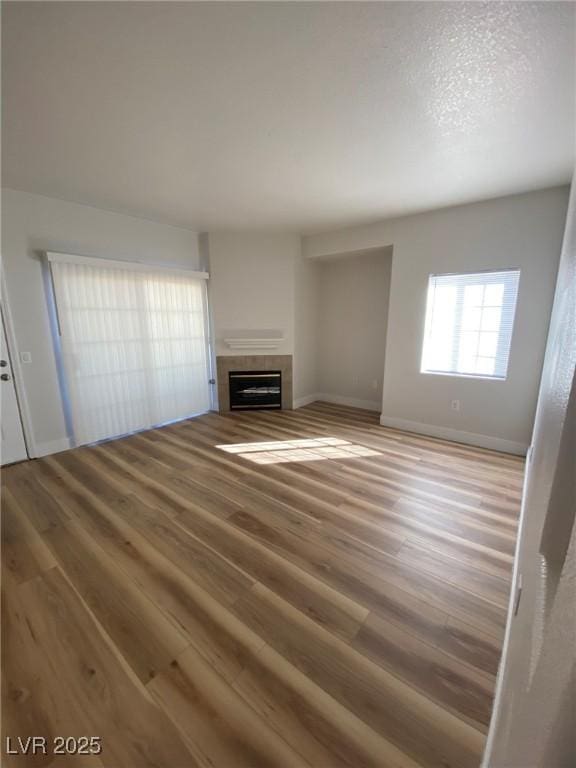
13 447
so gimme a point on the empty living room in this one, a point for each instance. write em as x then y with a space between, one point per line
288 413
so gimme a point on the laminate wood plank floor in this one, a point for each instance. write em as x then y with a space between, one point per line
295 588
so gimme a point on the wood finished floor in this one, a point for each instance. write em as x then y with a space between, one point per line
195 608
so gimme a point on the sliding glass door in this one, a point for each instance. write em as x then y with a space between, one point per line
134 345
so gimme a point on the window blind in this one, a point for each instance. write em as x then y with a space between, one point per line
469 322
134 345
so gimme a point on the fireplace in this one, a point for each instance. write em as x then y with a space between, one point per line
255 389
227 364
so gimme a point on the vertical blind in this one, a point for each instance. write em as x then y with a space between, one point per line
134 346
469 321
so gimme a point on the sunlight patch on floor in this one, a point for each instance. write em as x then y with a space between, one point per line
285 451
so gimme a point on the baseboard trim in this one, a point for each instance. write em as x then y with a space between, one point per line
301 401
352 402
432 430
456 435
52 446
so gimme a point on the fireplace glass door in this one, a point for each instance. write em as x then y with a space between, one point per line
255 389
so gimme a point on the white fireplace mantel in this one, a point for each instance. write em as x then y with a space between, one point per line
253 339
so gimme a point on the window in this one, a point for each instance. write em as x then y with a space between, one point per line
469 322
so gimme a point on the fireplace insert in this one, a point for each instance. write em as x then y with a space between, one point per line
255 389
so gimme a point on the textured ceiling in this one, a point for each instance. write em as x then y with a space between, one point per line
298 116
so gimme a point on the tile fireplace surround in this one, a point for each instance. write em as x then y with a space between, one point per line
227 363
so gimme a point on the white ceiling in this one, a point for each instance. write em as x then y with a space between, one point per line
293 116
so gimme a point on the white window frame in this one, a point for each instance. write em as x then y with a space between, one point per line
478 277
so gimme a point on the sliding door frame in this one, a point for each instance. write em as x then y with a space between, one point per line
53 256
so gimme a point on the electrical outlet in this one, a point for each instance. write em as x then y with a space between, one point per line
455 405
25 357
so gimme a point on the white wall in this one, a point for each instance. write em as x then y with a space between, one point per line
353 294
261 282
519 231
252 288
32 224
306 317
533 719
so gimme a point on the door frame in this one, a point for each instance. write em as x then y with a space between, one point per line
18 377
210 349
